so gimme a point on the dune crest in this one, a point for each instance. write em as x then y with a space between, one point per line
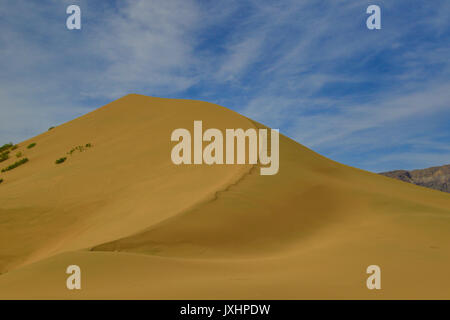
123 207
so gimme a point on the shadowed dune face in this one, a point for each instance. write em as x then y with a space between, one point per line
258 215
170 231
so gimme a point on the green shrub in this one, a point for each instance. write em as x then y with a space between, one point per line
31 145
14 147
79 148
4 156
19 154
6 147
51 128
60 160
15 164
1 180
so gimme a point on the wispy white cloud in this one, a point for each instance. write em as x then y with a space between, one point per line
239 56
310 68
145 45
326 128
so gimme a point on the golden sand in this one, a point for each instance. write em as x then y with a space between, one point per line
141 227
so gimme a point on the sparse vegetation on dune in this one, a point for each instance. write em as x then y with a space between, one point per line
77 148
6 146
1 180
80 148
4 156
15 164
60 160
4 151
51 128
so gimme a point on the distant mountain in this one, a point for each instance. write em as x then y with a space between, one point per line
435 177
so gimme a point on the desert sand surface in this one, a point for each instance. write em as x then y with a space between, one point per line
141 227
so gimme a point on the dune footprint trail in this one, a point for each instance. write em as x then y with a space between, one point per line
141 227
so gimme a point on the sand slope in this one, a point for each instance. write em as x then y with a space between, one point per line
141 227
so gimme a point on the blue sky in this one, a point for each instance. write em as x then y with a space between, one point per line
374 99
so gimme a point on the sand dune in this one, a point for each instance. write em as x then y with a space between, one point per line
141 227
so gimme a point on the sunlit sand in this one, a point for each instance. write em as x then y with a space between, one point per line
141 227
